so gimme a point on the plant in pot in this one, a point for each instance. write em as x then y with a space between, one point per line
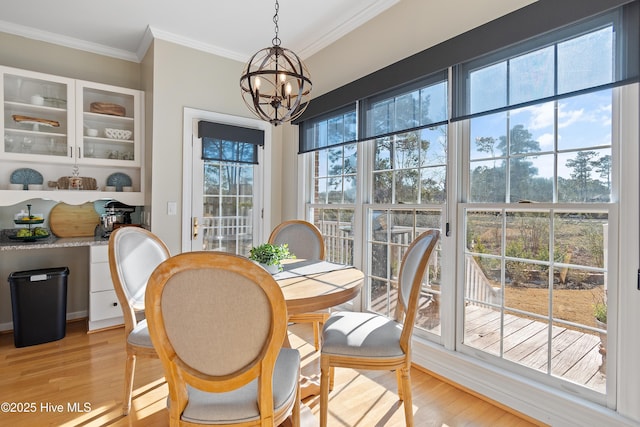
270 256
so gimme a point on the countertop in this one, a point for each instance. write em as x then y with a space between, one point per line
53 242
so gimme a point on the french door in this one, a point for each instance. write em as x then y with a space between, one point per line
223 201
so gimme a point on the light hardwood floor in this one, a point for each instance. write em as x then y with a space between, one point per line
53 384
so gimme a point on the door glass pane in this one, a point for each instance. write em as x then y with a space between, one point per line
227 207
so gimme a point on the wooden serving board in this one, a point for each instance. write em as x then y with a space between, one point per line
73 220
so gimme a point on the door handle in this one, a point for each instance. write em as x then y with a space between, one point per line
195 228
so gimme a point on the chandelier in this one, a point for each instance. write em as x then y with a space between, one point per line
275 83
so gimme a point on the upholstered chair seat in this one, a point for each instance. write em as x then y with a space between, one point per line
373 341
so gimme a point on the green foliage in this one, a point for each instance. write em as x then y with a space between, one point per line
600 311
269 254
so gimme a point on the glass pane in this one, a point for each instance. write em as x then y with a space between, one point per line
532 129
585 121
334 156
488 136
488 88
382 154
531 76
406 183
584 176
579 238
433 146
320 191
335 130
433 103
531 178
406 153
407 111
380 117
382 187
527 236
487 181
349 189
586 61
484 232
433 185
321 163
379 297
527 287
211 179
350 158
334 187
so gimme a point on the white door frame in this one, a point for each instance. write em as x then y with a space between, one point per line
190 130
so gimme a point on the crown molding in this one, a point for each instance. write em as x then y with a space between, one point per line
156 33
335 33
48 37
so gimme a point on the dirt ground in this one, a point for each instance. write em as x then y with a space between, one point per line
569 304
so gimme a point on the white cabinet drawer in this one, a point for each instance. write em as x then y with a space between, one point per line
100 277
99 254
104 305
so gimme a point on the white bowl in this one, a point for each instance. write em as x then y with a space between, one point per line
37 100
16 187
109 188
92 132
127 188
35 187
117 133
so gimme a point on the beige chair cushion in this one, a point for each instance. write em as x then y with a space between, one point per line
241 405
361 334
139 336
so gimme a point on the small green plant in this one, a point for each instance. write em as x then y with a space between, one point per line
269 254
600 311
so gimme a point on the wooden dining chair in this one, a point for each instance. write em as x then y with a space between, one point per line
304 241
371 341
218 322
133 254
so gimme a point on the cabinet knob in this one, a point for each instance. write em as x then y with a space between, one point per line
115 304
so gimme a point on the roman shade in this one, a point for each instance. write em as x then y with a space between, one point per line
227 143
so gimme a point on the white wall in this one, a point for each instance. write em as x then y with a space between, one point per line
184 77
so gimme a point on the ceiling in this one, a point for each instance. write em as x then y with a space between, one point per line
234 29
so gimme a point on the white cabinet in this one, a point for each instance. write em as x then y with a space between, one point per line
38 117
50 124
104 308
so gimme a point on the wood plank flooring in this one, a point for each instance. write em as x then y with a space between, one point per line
78 381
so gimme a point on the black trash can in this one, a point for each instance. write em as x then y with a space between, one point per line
39 304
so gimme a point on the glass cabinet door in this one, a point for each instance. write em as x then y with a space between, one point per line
36 117
108 125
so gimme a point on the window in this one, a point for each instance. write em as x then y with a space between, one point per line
531 160
538 208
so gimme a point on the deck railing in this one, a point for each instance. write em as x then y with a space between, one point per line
478 288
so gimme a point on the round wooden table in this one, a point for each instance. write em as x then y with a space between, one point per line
312 285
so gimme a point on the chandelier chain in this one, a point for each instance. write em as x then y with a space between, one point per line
276 39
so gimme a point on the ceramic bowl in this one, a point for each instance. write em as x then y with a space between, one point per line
16 187
109 188
92 132
117 133
35 187
127 188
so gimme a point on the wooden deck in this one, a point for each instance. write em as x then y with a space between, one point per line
575 355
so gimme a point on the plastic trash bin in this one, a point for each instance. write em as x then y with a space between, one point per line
39 305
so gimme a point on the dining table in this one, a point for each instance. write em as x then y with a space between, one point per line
312 285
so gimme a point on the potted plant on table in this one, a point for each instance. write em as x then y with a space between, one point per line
270 256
